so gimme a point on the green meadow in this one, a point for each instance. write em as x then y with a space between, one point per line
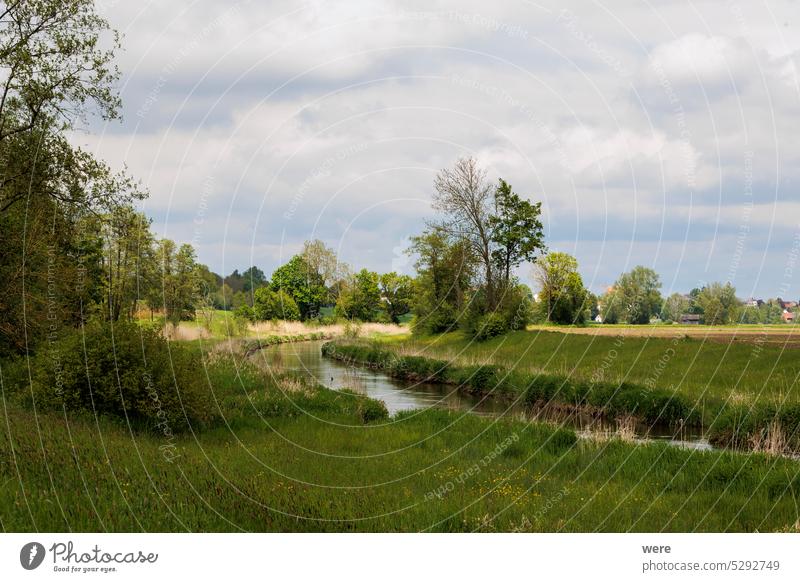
284 455
710 371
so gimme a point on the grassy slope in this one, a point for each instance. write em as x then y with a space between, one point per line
701 370
311 464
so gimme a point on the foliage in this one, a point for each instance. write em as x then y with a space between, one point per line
445 268
674 307
360 298
125 371
516 306
269 304
180 284
635 297
490 325
718 302
302 284
323 262
396 292
243 316
370 410
562 296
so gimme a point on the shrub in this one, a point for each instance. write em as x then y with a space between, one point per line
370 410
517 307
242 318
352 329
126 371
440 320
490 325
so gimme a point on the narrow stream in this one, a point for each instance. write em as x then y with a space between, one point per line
306 357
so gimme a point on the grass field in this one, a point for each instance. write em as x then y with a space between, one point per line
706 372
292 457
781 335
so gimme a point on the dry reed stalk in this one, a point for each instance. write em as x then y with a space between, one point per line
771 441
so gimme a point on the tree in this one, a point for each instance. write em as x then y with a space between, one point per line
180 281
54 73
674 307
694 307
561 291
303 284
396 292
269 304
53 268
223 297
465 198
636 295
127 250
253 279
502 229
718 302
361 298
516 229
445 269
322 260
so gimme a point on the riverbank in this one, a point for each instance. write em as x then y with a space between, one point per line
293 456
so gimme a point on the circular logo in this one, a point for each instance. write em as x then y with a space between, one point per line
31 555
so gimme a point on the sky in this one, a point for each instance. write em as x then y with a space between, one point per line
664 134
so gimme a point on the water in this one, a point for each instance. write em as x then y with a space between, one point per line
398 395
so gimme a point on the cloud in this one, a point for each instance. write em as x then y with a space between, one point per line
644 132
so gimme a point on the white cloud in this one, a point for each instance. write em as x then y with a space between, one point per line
629 125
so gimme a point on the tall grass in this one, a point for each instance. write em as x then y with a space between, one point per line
292 456
615 400
736 390
324 470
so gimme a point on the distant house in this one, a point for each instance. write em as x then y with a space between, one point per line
790 304
788 316
598 318
752 302
690 319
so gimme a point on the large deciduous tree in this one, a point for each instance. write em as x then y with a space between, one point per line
360 299
303 284
445 268
719 303
635 296
502 229
396 292
562 296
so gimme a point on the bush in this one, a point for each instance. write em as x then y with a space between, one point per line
517 307
352 329
370 410
242 318
439 320
126 371
269 304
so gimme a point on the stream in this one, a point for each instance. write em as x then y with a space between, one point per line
398 395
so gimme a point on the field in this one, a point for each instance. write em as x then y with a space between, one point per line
293 457
706 371
783 336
